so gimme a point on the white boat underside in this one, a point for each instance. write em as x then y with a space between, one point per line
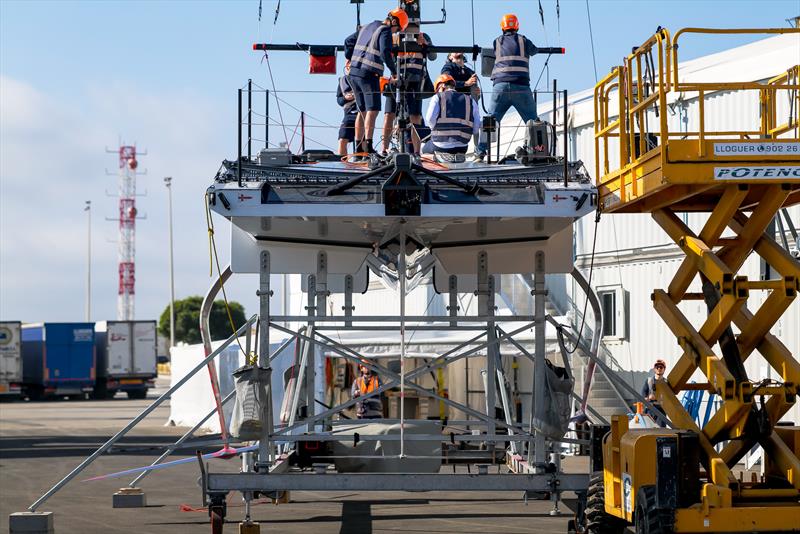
523 210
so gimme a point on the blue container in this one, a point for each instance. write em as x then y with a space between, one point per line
58 358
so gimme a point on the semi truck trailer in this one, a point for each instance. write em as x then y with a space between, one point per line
126 358
10 359
58 359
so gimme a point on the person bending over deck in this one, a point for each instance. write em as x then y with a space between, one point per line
367 382
369 50
453 118
511 77
346 99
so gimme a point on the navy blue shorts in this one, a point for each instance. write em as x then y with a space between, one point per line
367 91
413 101
347 130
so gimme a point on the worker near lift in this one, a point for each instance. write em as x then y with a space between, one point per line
412 67
649 387
347 100
364 384
369 50
453 118
465 77
511 77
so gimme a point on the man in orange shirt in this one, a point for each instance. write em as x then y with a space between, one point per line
367 382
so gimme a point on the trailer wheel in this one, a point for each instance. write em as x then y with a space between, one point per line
648 518
217 519
137 394
598 521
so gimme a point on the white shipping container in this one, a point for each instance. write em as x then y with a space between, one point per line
10 358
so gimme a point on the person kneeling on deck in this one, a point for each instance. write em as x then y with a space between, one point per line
366 383
453 118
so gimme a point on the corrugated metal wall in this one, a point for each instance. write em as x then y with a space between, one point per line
633 252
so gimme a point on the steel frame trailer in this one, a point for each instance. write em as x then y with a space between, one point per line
331 225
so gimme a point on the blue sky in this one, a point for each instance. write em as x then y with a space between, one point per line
76 75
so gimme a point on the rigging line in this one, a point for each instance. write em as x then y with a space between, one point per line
280 112
544 26
306 113
613 224
294 133
558 18
589 283
622 285
258 28
591 40
215 260
472 10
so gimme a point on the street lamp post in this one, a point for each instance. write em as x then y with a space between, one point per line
88 209
168 183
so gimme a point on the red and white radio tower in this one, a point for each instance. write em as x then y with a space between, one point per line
127 232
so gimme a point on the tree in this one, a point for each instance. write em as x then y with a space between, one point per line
187 320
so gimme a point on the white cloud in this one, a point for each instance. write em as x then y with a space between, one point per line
52 159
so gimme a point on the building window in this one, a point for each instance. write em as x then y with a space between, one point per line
608 303
614 306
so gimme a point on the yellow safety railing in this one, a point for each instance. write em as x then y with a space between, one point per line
640 91
789 78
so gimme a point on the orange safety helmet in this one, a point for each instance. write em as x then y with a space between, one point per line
444 78
509 22
401 16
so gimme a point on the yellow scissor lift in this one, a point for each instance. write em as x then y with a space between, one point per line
681 479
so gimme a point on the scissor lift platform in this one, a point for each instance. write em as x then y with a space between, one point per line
741 179
643 166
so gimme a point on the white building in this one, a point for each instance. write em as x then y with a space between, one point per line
633 255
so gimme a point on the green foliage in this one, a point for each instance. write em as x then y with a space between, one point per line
187 320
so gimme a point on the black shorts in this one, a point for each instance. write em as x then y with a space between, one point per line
413 101
347 130
367 91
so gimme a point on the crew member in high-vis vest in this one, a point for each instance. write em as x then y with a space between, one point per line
369 50
367 382
511 76
453 118
413 70
346 99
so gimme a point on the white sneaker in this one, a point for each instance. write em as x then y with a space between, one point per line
478 158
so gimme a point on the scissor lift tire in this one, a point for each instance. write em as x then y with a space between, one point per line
649 519
598 521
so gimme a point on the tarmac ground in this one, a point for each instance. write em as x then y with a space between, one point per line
40 442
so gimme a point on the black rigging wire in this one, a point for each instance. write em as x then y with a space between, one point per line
472 9
558 17
591 40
